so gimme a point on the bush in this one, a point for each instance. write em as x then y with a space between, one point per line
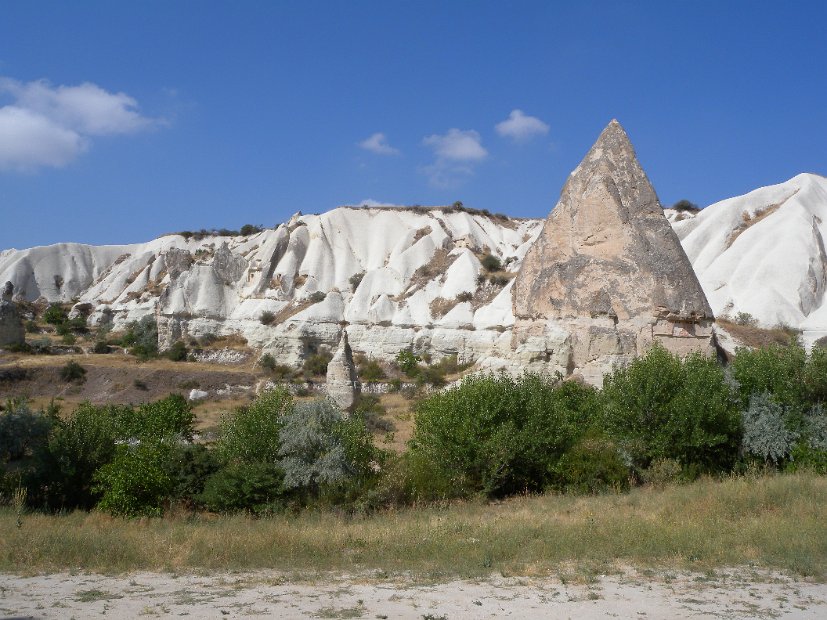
663 407
464 296
766 429
356 279
497 435
55 314
317 297
141 338
593 465
189 466
491 263
408 362
777 371
22 430
267 317
62 477
369 371
316 365
31 327
250 229
411 478
73 372
311 447
170 417
136 483
243 486
251 434
177 352
101 347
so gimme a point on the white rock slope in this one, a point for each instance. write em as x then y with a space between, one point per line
395 277
764 253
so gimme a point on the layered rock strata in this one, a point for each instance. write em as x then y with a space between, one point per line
607 276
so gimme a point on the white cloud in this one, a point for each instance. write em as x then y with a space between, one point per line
51 126
457 145
370 202
520 127
456 153
28 140
378 143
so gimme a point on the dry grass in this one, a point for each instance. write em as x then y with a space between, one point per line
399 412
748 220
441 306
776 522
758 337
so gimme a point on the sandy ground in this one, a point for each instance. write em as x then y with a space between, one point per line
730 594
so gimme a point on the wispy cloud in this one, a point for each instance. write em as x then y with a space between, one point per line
456 154
378 143
520 127
47 125
370 202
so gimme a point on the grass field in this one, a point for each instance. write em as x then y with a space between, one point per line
776 522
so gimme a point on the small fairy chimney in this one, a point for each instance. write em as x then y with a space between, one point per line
342 385
12 331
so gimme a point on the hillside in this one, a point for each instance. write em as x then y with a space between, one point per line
396 276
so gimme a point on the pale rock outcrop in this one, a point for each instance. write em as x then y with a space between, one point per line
11 323
607 276
342 384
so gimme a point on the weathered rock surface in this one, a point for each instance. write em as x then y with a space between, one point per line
11 323
607 271
342 384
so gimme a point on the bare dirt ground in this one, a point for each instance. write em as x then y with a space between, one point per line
742 593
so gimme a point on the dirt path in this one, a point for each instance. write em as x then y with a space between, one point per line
731 594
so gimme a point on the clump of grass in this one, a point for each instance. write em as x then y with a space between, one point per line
776 522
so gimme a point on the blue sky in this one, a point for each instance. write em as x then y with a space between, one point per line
122 121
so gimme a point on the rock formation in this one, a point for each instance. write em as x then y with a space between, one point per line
342 383
607 276
11 323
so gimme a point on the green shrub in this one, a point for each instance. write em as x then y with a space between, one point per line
250 229
411 478
497 435
166 418
141 338
267 361
408 362
356 279
369 370
663 407
251 434
775 370
311 448
101 347
767 429
267 317
22 430
177 352
32 328
317 297
136 482
593 465
316 365
189 465
662 472
55 314
243 486
62 476
491 263
73 372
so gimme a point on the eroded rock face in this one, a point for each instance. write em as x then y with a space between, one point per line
342 384
609 270
11 323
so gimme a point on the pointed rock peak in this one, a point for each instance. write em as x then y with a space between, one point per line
607 248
